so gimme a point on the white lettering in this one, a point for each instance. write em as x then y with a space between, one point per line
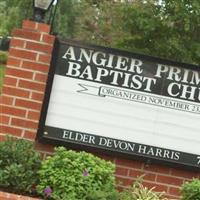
174 74
85 54
190 92
161 69
171 87
122 63
87 72
71 53
101 72
95 57
135 66
73 69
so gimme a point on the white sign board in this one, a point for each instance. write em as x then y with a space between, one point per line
123 102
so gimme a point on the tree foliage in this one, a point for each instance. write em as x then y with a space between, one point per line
12 12
170 29
163 28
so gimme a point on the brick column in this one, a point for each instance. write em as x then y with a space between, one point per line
25 80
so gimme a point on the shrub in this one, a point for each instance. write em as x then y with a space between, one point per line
138 192
2 69
19 164
74 175
3 57
105 193
191 190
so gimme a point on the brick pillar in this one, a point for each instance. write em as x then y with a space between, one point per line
25 80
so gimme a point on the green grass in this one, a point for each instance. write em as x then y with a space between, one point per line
2 70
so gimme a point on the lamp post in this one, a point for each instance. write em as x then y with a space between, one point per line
40 8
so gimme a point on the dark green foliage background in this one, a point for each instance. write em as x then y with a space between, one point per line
3 59
164 28
2 69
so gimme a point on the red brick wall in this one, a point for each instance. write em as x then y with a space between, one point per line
21 101
25 79
8 196
161 177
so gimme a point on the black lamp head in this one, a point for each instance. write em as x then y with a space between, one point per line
40 8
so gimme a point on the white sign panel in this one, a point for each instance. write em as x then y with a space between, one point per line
124 102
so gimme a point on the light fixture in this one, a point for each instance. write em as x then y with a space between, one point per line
40 8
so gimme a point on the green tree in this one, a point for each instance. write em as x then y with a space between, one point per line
168 28
64 22
12 12
163 28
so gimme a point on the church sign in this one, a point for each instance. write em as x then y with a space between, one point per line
122 102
